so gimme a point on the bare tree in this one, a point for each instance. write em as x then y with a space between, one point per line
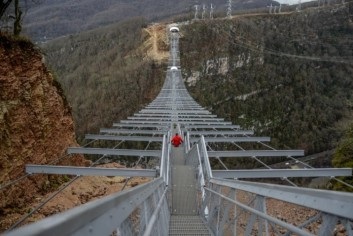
17 16
4 4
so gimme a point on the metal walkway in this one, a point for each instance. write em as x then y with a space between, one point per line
184 219
185 195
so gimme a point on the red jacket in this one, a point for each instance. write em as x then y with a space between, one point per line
176 140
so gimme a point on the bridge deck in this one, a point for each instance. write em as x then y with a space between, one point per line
184 219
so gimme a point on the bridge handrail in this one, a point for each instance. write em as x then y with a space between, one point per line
198 157
187 141
204 159
156 214
274 220
331 202
105 215
164 160
330 205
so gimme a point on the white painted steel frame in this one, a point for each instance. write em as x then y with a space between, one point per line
168 115
170 111
217 126
232 139
333 202
126 138
170 118
181 121
114 152
131 131
155 126
256 153
281 173
89 171
221 132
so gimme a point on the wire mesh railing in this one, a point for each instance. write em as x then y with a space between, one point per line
142 210
234 207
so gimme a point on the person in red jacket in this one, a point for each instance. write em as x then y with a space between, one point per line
176 140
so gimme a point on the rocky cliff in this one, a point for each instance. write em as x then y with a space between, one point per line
36 126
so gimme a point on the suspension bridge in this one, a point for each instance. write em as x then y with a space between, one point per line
185 195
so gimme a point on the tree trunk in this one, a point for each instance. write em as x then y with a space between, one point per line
17 27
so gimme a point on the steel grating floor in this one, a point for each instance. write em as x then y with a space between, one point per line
187 225
184 191
184 219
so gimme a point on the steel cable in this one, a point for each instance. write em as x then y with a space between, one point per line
12 182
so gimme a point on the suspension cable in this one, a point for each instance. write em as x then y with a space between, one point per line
278 53
60 190
12 182
135 166
309 166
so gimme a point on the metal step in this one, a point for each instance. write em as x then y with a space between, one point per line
187 225
189 232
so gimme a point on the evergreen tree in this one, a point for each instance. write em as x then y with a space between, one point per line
343 157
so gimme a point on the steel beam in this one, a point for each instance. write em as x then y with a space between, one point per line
126 138
170 118
173 89
170 111
182 97
89 171
170 102
131 131
169 115
256 153
180 121
176 103
221 132
155 126
114 152
232 139
173 106
217 126
280 173
333 202
170 99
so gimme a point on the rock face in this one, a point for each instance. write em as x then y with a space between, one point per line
36 125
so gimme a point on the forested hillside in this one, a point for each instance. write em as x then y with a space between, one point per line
288 76
344 158
51 18
105 73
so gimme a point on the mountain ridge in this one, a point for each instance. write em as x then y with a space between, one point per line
51 19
